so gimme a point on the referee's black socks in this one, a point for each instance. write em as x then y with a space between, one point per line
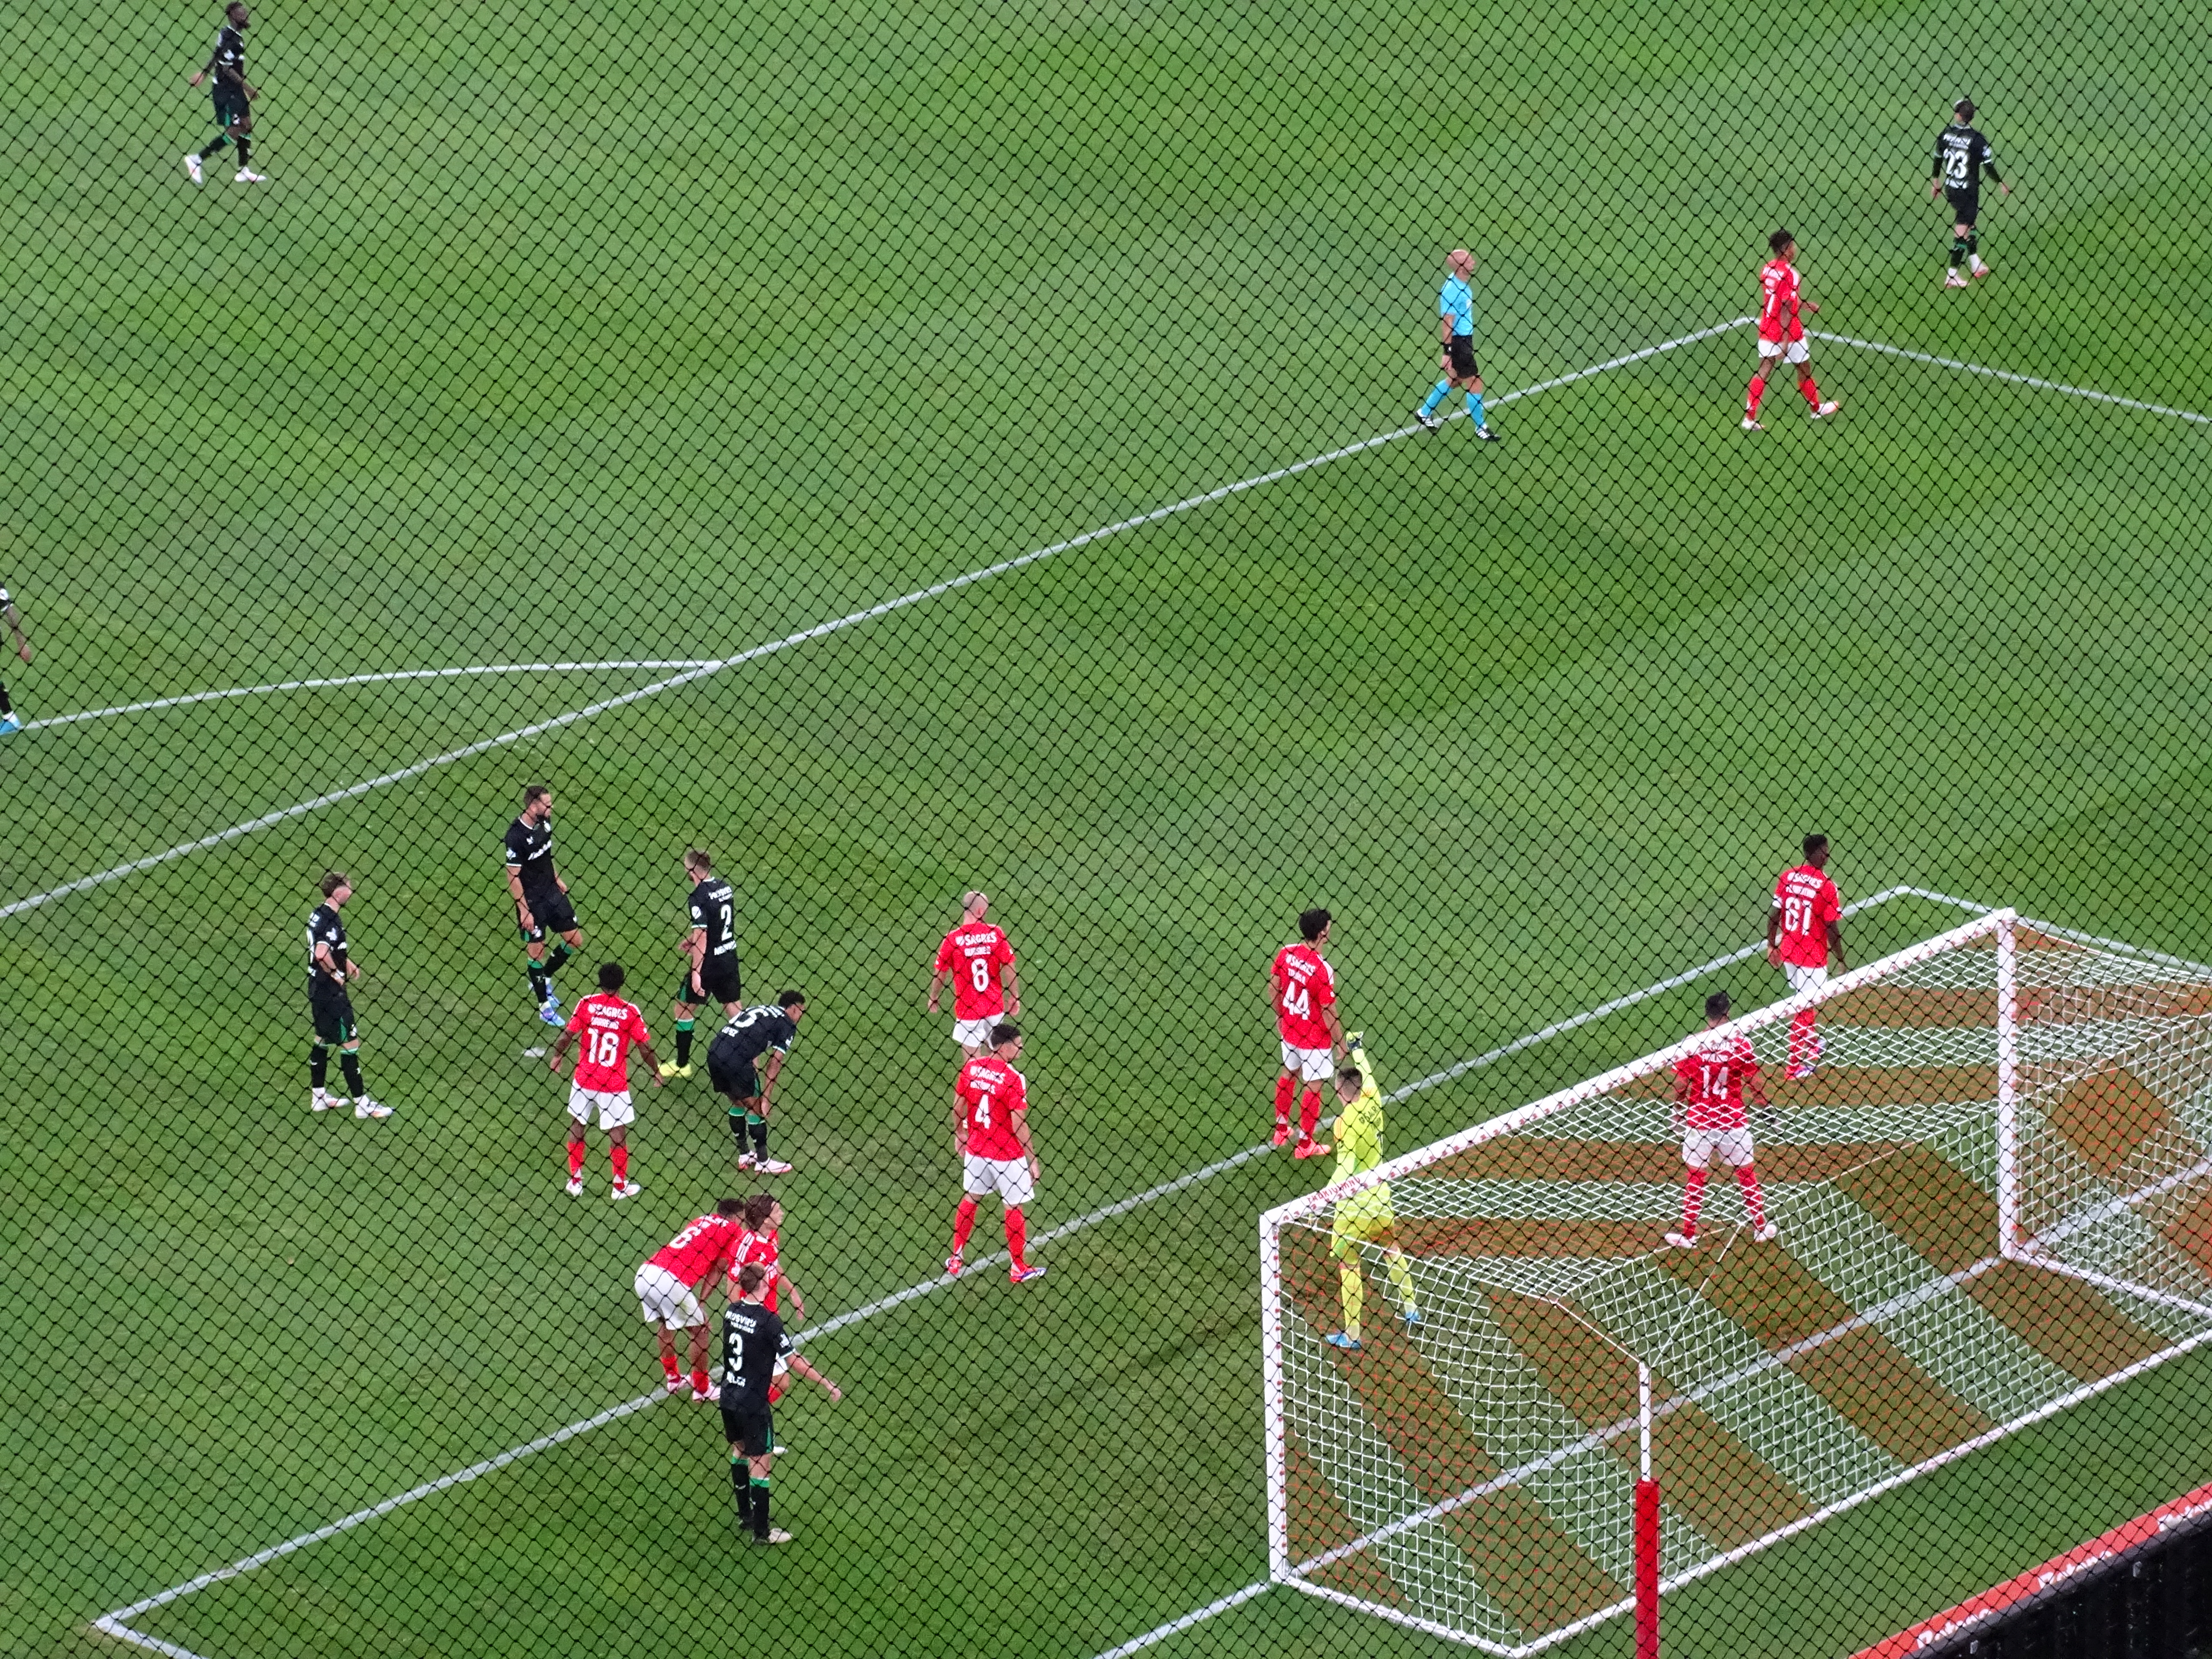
741 1476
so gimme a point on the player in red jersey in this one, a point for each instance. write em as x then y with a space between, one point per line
976 958
1302 986
991 1134
606 1027
665 1286
1709 1086
1781 333
1803 930
763 1247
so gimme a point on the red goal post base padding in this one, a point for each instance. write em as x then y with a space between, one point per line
1999 1598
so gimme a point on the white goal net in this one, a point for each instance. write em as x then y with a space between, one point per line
1994 1201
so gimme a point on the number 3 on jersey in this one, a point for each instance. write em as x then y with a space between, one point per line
1297 1001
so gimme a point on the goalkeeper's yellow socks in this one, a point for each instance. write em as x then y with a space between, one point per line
1401 1279
1354 1289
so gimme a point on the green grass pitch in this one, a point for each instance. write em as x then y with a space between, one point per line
565 335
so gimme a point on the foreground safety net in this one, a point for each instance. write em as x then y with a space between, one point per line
1994 1199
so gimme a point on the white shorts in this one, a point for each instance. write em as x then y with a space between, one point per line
1009 1177
666 1299
614 1108
1312 1065
1701 1146
1803 979
974 1033
1790 351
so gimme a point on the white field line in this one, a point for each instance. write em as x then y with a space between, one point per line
111 1625
2008 376
851 619
884 1304
1176 1626
386 678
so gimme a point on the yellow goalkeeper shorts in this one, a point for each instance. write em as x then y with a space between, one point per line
1361 1218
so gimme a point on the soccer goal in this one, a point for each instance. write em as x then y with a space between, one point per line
1994 1195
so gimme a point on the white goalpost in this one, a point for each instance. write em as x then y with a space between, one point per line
1994 1196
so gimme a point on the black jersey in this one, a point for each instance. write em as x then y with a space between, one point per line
754 1342
229 54
530 854
323 927
1962 153
750 1033
715 909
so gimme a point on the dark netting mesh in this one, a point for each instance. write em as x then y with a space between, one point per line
1139 478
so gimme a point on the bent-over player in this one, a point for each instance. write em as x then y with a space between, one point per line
665 1287
733 1071
1709 1086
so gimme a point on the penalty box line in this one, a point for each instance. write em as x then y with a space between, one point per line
115 1624
2030 381
706 668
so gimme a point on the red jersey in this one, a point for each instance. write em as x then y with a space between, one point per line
1305 988
991 1092
704 1247
1710 1084
973 953
764 1249
1777 314
1807 902
604 1026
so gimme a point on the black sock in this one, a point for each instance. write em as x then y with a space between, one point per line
222 138
1973 242
760 1506
758 1128
245 147
350 1065
561 954
319 1066
540 987
741 1477
6 707
682 1042
1958 251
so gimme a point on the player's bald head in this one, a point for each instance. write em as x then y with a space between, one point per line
1461 260
975 902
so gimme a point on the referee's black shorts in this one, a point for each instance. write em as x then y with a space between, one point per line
1461 351
1966 205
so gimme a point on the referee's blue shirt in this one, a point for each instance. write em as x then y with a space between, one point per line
1457 302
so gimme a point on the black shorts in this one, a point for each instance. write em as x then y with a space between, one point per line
331 1011
1966 205
1461 351
737 1079
551 911
718 977
747 1426
230 105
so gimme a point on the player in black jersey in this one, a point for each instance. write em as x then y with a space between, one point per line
1962 156
754 1347
234 94
731 1067
10 724
709 950
329 1008
541 897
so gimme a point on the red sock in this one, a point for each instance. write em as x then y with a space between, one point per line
698 1382
1753 394
619 1157
1017 1235
1309 1114
964 1223
1812 393
1804 1042
1752 1201
1693 1199
670 1368
575 1159
1286 1086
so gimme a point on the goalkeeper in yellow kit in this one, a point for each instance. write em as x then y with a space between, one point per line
1366 1216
